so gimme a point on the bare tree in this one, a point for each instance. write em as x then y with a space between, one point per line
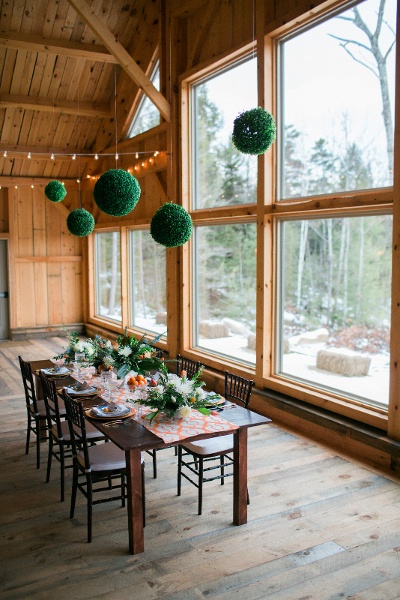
379 65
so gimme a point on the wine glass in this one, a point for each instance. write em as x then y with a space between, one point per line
106 378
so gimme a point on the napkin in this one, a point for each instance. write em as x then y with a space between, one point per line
81 388
56 371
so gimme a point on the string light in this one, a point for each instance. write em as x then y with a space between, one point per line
29 155
137 155
116 157
52 156
74 157
96 157
5 154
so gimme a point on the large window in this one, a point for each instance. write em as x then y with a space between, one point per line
221 174
147 277
147 114
108 275
335 93
337 102
335 276
224 285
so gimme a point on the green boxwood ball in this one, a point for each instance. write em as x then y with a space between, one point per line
116 192
253 131
80 222
171 225
55 191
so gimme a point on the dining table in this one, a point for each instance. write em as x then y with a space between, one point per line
134 436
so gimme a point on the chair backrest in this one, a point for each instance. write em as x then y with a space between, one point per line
186 364
29 386
50 398
238 388
77 427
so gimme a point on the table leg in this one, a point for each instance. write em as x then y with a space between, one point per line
135 501
240 477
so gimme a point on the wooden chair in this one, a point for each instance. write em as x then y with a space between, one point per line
193 456
191 367
58 430
94 466
36 410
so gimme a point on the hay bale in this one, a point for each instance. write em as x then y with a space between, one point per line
213 329
343 362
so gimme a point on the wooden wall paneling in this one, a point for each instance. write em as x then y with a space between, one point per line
39 249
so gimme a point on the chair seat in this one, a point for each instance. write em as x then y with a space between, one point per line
208 447
105 457
91 432
41 408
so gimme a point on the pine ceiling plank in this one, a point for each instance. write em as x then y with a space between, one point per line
8 70
16 16
47 75
58 106
105 82
7 125
75 81
25 127
59 20
16 127
37 43
37 74
28 16
49 18
125 60
91 77
6 13
39 15
27 73
18 70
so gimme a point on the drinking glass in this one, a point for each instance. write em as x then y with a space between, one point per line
106 378
79 359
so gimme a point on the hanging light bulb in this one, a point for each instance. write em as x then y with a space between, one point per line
116 157
29 155
52 156
5 153
78 181
32 186
74 157
96 157
137 155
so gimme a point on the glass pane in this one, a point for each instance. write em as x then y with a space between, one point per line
147 115
108 275
225 290
148 306
337 104
335 304
221 174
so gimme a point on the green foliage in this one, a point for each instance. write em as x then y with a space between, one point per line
80 222
116 192
254 131
55 191
171 225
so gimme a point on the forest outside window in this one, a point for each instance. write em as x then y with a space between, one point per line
221 175
224 284
147 279
108 275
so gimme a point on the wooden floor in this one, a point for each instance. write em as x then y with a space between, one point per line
319 526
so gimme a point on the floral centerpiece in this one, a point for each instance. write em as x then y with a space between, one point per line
175 395
126 354
75 344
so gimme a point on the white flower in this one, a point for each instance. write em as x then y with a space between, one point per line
124 351
200 394
108 344
88 348
183 387
184 411
173 399
159 389
79 347
172 377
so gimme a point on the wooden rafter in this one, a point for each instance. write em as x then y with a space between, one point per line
34 43
85 109
124 59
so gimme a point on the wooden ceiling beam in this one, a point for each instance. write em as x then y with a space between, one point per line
35 43
124 59
83 109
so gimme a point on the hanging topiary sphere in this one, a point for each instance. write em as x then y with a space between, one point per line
254 131
80 222
55 191
116 192
171 225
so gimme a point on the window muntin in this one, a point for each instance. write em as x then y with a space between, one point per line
334 305
108 275
335 131
147 280
224 285
221 175
147 115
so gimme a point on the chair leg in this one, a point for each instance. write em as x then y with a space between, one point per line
62 471
154 464
73 492
28 433
201 473
89 507
248 496
37 443
179 470
49 459
222 463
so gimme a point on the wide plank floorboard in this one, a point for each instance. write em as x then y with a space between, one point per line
320 527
